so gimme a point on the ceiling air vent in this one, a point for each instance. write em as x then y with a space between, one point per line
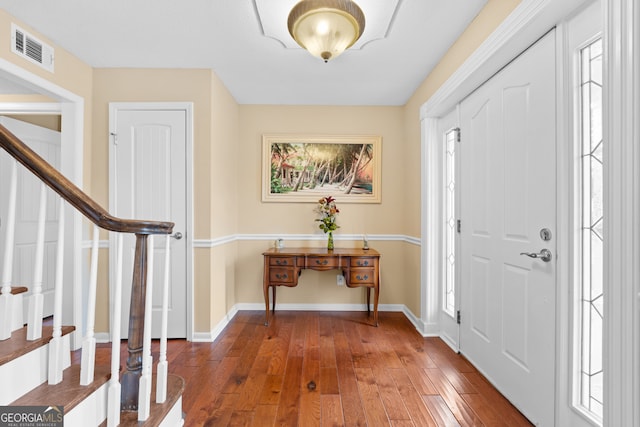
29 47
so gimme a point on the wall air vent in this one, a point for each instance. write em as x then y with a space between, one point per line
31 48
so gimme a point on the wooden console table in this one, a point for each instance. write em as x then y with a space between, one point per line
360 268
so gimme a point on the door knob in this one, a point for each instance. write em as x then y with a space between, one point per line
177 235
544 255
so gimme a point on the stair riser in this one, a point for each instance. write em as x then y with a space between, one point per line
23 374
92 411
28 371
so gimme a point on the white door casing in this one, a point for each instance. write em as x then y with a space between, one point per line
508 195
46 143
149 181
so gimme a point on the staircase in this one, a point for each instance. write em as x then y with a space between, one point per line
37 364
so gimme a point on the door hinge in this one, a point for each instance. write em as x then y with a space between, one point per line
458 225
458 317
458 133
115 137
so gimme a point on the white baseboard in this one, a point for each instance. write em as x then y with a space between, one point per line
213 334
102 337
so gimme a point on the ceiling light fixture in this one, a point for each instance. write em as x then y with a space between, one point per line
326 28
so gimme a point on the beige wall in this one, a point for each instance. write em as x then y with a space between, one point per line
257 217
494 12
69 73
214 156
227 172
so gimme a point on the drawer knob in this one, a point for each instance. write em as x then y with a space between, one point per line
282 262
362 278
278 276
324 262
361 263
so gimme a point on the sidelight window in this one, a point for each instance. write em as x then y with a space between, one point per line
591 307
450 226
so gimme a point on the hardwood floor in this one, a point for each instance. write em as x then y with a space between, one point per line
331 369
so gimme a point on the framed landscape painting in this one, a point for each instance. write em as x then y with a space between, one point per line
305 168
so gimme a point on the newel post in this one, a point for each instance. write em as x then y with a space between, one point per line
131 377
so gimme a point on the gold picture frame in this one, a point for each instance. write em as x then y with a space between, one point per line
304 168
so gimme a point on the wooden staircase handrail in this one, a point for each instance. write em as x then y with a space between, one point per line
72 194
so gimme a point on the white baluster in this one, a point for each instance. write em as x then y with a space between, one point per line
34 322
6 299
89 342
144 395
113 407
56 348
163 366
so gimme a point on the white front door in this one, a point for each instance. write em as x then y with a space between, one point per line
46 143
508 196
149 182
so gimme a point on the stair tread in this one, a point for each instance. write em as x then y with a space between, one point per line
158 411
18 344
68 393
15 290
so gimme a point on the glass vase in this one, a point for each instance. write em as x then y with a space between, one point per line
330 241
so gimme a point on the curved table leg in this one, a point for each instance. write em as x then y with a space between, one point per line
368 300
266 303
375 303
273 304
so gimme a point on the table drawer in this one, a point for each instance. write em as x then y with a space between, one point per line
363 261
281 275
361 276
282 261
327 262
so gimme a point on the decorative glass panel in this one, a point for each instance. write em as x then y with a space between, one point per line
450 226
591 298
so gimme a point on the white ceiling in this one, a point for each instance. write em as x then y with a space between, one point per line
229 37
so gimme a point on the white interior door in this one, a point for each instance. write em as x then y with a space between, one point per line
46 143
149 182
508 187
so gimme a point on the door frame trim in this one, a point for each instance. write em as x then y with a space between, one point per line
71 109
187 107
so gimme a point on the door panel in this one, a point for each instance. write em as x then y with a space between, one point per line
508 196
150 183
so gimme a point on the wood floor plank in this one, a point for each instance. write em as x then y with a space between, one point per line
412 400
485 411
331 411
271 390
371 400
329 381
497 401
443 355
351 403
265 416
463 413
282 340
311 379
402 423
391 398
241 419
251 391
440 411
358 353
289 405
256 375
